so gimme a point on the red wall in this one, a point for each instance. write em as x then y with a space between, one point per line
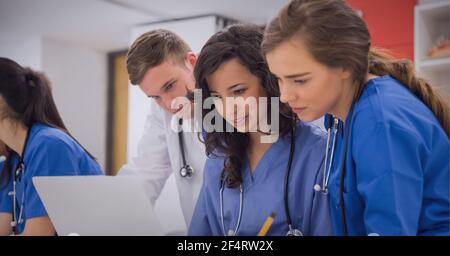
391 24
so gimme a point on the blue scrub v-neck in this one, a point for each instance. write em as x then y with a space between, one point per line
261 169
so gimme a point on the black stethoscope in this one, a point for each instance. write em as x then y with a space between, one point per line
18 173
342 171
186 171
292 230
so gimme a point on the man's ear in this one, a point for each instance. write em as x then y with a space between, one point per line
191 59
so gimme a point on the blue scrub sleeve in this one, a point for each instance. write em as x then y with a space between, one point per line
55 158
199 225
389 178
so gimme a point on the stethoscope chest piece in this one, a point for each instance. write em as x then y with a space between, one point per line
294 232
186 171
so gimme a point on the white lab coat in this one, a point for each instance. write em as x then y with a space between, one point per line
159 155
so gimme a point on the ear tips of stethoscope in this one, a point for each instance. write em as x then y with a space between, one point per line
2 158
13 224
317 188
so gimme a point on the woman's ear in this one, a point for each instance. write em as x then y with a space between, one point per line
346 73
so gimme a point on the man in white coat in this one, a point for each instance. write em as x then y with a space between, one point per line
162 64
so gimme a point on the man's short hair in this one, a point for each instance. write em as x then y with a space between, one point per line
153 48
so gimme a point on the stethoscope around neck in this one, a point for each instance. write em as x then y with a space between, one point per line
292 231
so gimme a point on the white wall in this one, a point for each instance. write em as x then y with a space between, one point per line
25 50
79 81
429 1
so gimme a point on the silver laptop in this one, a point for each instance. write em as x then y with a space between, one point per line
98 205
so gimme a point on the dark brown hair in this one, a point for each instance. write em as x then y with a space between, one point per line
337 37
241 42
28 99
153 48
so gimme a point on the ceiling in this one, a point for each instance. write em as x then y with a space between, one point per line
105 24
256 11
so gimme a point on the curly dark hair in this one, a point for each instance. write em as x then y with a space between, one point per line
241 42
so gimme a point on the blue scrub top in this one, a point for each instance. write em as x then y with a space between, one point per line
49 152
264 191
397 166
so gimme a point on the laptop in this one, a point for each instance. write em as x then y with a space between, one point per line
98 205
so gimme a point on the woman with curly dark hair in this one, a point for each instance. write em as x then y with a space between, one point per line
262 161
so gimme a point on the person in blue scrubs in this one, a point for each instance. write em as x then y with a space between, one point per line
244 177
389 172
36 144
